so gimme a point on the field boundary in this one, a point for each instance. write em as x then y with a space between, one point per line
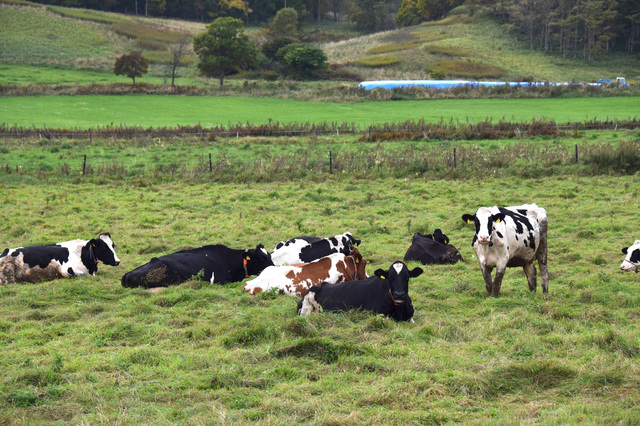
408 130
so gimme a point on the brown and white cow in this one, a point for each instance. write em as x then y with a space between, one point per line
632 261
296 280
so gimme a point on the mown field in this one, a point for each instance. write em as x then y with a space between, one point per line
87 350
59 112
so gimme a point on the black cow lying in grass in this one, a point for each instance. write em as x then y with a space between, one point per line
385 293
214 263
432 249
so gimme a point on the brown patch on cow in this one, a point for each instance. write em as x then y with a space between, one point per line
157 275
360 265
14 270
256 290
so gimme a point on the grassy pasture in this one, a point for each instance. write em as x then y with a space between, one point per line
159 111
87 350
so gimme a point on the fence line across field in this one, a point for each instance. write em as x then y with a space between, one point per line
85 164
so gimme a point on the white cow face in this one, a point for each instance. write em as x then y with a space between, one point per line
487 221
632 261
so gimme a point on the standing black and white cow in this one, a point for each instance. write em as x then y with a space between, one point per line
308 249
387 293
507 237
217 263
632 261
77 258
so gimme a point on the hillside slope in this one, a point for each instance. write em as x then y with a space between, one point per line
456 47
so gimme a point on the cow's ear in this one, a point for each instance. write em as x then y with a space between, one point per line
381 273
624 250
416 272
498 217
93 242
259 246
469 218
636 243
357 259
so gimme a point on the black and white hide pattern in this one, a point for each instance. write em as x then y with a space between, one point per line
76 258
509 237
632 261
307 249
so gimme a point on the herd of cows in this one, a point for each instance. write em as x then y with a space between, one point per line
326 273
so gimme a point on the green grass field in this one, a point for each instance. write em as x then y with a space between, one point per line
158 111
88 351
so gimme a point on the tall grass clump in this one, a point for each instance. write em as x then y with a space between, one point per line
469 69
378 61
607 158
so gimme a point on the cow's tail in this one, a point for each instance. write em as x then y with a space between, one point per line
308 304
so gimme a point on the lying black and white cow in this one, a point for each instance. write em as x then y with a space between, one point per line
77 258
217 264
507 237
632 261
387 293
308 249
432 249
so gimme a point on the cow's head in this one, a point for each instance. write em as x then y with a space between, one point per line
349 241
632 261
360 264
486 221
398 277
438 236
256 260
104 250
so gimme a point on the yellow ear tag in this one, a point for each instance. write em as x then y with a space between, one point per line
357 260
468 220
382 277
446 241
93 244
497 220
248 258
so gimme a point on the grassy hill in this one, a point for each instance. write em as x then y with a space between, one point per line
457 47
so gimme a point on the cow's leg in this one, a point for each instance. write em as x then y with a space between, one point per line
486 274
497 282
530 272
309 304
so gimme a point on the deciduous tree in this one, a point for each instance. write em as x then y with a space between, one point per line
224 49
132 65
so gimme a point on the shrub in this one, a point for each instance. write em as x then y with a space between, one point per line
269 75
378 61
303 59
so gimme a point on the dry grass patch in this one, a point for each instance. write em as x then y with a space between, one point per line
393 47
378 61
469 69
445 50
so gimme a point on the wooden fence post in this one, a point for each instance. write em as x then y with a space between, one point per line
84 164
330 163
576 153
455 159
210 165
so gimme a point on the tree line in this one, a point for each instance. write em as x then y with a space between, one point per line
570 27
